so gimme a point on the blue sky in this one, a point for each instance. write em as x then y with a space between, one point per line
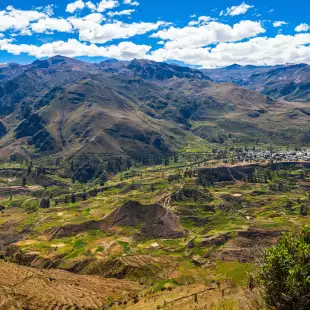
198 33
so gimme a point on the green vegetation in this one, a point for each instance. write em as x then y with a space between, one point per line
224 221
285 272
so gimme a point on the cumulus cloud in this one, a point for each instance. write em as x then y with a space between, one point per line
121 13
93 18
96 33
12 18
91 6
51 24
211 33
74 6
74 48
279 23
302 28
256 51
131 2
107 5
237 10
204 42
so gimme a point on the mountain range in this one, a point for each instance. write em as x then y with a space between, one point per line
289 82
67 107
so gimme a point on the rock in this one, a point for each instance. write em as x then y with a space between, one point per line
198 260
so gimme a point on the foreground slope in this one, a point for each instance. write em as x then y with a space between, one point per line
29 288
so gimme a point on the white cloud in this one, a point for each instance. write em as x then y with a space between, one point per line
281 49
93 17
302 28
51 24
95 33
201 20
131 2
211 33
91 6
279 23
203 42
124 12
74 48
49 9
77 5
107 5
17 19
237 10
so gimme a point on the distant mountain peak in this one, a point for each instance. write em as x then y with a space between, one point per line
111 61
234 66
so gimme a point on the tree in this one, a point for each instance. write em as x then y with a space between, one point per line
167 161
44 203
24 181
285 273
103 179
304 210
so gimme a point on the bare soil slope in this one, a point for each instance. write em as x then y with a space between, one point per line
29 288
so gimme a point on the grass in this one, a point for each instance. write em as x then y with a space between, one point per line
238 272
125 246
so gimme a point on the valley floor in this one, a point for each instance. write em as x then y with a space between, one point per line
193 243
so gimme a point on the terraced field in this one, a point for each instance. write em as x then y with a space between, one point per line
165 237
30 288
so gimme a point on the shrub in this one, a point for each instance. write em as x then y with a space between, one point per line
285 273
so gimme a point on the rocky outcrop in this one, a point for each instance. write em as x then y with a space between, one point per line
207 176
152 221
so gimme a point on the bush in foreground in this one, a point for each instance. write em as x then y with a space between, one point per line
285 273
